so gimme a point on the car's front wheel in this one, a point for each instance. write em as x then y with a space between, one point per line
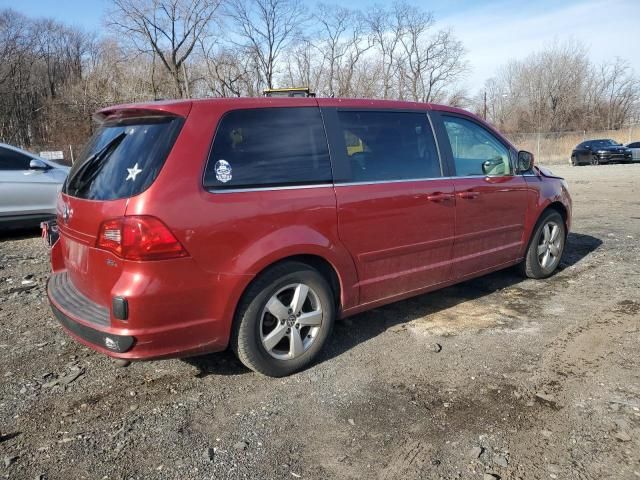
284 320
595 160
546 246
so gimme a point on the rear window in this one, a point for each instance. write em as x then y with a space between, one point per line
123 158
269 147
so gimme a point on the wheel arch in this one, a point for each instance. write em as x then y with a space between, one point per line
556 206
343 291
561 209
318 263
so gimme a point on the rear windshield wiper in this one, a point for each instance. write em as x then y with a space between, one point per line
92 165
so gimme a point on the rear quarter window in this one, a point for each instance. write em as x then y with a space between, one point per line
269 147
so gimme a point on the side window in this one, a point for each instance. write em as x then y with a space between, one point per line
634 145
388 145
10 160
269 147
475 150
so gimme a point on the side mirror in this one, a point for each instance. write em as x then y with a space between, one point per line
525 161
36 164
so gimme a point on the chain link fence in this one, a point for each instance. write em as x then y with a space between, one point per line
553 148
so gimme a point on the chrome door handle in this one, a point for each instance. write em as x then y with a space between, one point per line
469 195
439 197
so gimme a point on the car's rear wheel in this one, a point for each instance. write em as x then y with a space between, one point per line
284 320
546 246
574 161
595 160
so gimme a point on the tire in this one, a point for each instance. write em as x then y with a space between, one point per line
595 160
534 265
574 162
280 343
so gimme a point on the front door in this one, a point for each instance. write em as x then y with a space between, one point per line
491 200
395 208
26 191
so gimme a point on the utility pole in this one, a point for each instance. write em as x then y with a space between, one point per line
186 80
484 115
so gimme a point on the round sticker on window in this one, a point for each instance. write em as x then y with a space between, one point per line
223 171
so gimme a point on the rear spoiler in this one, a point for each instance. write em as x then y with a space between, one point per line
159 109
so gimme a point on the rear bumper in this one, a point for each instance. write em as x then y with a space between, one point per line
91 324
93 337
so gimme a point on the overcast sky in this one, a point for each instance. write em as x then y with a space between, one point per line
493 31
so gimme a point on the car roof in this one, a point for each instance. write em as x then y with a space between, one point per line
183 107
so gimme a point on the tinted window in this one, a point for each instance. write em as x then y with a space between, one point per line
388 146
475 150
267 147
604 143
634 145
123 158
11 160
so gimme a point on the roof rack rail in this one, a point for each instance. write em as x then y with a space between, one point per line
288 92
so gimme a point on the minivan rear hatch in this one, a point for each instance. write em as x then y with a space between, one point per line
122 159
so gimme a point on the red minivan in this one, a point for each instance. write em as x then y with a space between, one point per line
191 226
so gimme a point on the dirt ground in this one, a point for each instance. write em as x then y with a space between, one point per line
498 377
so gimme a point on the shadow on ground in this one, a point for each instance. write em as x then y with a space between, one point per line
365 326
18 233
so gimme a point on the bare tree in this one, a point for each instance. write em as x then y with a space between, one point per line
434 65
305 66
53 76
342 40
620 89
266 28
386 29
228 71
168 29
559 89
415 62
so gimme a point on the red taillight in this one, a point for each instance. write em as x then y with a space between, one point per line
139 238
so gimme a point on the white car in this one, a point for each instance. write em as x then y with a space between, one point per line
635 150
29 187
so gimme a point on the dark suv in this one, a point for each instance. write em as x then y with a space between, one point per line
192 226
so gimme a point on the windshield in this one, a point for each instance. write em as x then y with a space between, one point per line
123 158
605 143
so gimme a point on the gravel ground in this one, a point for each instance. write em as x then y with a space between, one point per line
498 377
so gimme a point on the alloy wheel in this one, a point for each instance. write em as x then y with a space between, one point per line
291 321
549 246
